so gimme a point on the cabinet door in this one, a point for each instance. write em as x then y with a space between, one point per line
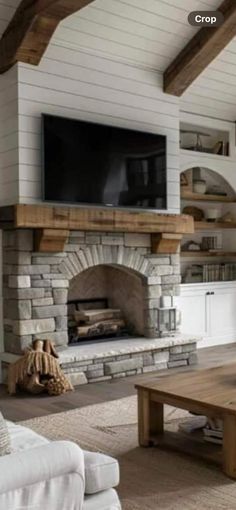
194 313
223 313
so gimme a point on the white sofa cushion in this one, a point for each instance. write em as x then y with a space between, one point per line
107 500
101 472
5 441
23 438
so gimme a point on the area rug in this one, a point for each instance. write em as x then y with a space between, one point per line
151 479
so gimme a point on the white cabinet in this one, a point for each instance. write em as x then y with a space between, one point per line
209 310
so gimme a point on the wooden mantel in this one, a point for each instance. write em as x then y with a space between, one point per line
166 229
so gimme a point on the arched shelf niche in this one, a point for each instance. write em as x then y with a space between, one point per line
216 184
223 174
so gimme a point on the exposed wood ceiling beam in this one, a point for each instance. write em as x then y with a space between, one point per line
31 28
200 51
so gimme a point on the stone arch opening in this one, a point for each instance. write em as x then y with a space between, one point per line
106 287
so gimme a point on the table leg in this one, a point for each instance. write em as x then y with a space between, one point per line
229 445
150 418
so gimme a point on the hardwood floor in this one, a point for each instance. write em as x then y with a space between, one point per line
25 406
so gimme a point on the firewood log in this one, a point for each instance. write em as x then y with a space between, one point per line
94 316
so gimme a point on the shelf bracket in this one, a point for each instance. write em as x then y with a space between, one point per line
165 243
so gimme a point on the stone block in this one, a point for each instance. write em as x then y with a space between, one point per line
147 359
40 283
29 327
78 378
123 365
170 290
58 337
152 291
60 296
158 260
177 349
46 259
181 355
43 312
122 356
175 259
77 233
193 358
172 279
51 276
180 363
100 379
23 293
96 366
94 374
8 238
176 269
151 303
24 240
131 372
151 332
17 257
48 292
150 318
151 368
17 309
19 282
161 270
153 280
189 347
31 269
35 277
160 357
61 323
161 366
118 376
115 240
16 344
42 301
60 284
136 240
92 239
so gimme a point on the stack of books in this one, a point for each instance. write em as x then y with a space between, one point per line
213 431
219 272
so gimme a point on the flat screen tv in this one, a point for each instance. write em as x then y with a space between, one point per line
88 163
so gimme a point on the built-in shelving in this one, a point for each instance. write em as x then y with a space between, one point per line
214 225
198 197
201 253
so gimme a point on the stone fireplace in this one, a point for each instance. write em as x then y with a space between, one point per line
123 268
118 267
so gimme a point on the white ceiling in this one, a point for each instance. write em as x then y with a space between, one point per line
149 35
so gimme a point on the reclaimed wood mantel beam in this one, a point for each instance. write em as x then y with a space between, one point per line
200 51
31 28
93 219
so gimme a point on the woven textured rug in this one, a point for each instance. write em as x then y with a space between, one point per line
151 478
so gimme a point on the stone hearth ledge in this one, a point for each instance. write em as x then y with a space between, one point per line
120 358
125 346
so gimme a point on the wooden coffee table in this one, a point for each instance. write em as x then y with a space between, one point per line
210 392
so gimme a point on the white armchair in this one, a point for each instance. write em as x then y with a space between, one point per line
43 475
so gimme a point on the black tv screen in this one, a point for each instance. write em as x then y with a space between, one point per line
87 163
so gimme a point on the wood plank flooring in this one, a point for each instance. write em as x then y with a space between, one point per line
25 406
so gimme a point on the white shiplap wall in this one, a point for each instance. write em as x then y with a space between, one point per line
77 84
9 172
104 64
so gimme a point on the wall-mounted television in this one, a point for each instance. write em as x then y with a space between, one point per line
88 163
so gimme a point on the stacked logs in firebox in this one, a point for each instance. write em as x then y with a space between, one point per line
97 323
